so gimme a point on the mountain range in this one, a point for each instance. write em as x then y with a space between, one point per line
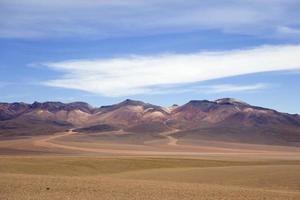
223 119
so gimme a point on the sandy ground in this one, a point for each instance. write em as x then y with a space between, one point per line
71 165
169 146
71 142
150 178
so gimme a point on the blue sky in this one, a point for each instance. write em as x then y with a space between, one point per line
165 52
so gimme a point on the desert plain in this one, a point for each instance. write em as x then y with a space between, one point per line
120 165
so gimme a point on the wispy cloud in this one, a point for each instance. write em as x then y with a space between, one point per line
140 74
209 89
223 88
284 31
102 18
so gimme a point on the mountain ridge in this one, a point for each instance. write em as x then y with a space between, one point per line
227 115
226 100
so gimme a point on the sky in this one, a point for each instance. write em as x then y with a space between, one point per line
161 52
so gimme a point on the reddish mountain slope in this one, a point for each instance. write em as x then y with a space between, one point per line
222 119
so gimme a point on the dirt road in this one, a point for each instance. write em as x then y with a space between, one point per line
171 140
169 148
48 143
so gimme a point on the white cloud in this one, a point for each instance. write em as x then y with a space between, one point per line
140 74
209 89
113 18
235 88
284 31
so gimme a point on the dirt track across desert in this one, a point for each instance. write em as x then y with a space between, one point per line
167 168
48 143
171 140
170 147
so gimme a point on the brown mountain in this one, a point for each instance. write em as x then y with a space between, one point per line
12 110
223 119
233 120
134 116
226 111
41 118
129 112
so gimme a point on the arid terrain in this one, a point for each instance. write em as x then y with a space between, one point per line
180 158
149 99
72 165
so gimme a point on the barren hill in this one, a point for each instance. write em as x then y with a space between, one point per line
224 119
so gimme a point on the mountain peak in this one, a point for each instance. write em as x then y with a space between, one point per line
198 102
53 106
230 101
127 102
131 102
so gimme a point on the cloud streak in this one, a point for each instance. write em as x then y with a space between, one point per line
142 74
224 88
210 89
